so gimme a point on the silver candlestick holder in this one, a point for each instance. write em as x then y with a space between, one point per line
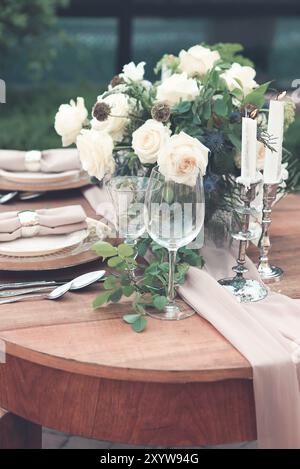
245 290
267 272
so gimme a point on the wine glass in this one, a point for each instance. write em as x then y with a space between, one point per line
174 216
128 194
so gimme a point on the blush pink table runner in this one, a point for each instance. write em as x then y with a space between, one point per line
267 333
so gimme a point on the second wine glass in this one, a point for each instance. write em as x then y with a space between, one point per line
174 216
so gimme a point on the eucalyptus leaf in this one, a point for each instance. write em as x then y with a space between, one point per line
104 249
115 261
128 290
116 295
125 250
131 318
100 300
160 302
110 282
220 107
140 324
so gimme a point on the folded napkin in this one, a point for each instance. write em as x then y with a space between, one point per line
43 222
267 333
99 199
48 161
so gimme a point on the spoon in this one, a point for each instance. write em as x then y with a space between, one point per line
79 282
30 195
4 198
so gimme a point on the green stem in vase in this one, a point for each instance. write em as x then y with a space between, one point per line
171 289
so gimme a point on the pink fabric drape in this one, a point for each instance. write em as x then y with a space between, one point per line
267 333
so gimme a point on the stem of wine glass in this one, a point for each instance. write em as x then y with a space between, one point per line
132 243
171 291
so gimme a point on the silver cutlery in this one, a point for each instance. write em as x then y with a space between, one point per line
4 198
79 282
75 285
35 284
30 195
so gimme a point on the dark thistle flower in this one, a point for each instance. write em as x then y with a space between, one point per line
211 182
215 141
161 112
117 80
101 111
235 117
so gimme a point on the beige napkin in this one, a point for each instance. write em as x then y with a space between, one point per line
267 333
43 222
99 199
48 161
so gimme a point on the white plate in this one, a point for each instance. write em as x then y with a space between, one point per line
42 245
28 177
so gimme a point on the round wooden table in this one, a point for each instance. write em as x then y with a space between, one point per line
87 373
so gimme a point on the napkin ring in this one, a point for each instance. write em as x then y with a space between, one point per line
33 160
30 224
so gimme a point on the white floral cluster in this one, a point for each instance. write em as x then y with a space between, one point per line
178 156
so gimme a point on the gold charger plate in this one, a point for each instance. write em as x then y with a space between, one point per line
68 257
80 180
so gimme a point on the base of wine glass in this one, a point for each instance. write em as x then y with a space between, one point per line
171 312
245 290
270 272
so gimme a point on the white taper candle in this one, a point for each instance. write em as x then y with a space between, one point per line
249 150
272 164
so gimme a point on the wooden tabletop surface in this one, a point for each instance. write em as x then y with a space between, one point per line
68 335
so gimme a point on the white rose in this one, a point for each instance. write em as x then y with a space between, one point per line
132 72
96 152
148 139
242 77
116 123
69 120
197 60
182 158
176 88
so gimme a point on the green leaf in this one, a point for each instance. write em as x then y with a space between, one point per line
125 280
220 107
164 266
257 96
116 295
125 250
206 112
101 299
143 246
114 261
104 249
182 107
128 290
139 325
131 318
160 302
214 78
235 140
110 282
152 269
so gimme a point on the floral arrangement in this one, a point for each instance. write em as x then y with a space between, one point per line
190 118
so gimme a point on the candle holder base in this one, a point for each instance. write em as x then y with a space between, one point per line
270 273
171 312
244 290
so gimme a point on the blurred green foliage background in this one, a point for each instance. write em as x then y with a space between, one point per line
46 61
